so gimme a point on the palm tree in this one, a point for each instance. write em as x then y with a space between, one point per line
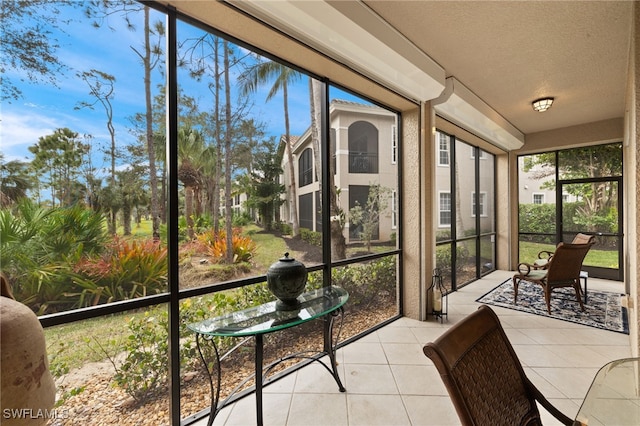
281 75
191 149
14 181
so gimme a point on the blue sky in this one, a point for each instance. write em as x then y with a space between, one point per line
45 108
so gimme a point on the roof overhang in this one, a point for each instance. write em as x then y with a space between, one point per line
350 32
461 106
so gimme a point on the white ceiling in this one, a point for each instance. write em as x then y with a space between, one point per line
511 52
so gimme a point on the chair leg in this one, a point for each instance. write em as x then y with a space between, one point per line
576 287
516 282
547 297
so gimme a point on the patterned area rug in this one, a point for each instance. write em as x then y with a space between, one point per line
603 309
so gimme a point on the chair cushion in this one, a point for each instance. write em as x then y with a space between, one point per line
541 262
536 274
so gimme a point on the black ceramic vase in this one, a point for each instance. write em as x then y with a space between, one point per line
286 279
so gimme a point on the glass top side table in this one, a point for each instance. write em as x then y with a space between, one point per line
324 303
614 396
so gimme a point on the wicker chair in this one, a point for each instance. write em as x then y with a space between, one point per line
544 256
483 375
563 271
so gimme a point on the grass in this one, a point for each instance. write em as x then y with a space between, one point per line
270 248
72 345
599 258
143 229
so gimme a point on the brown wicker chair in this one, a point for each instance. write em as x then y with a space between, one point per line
544 256
483 375
563 271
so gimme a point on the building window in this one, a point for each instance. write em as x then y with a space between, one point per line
481 156
444 209
482 201
443 149
363 148
538 198
307 217
305 168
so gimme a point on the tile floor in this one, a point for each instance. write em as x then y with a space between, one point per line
389 381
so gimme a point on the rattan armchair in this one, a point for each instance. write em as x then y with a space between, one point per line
483 375
563 271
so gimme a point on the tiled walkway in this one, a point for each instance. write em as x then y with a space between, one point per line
389 381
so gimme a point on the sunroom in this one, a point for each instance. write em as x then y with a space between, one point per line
420 112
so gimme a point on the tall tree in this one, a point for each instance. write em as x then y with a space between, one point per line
101 87
191 153
59 156
202 56
262 184
150 55
281 75
132 194
227 154
337 215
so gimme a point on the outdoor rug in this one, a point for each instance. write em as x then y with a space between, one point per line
602 310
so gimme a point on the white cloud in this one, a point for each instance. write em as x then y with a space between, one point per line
18 130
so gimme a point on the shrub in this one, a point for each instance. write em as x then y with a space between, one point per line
143 373
443 257
537 218
311 237
284 228
38 247
244 248
125 271
366 283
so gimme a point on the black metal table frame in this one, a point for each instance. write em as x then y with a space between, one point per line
261 372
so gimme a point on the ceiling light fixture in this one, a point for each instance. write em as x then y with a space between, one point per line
542 104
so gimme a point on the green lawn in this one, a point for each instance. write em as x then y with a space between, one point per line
600 258
72 345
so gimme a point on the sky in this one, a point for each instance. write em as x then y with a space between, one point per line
110 49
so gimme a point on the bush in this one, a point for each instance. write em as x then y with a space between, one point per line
143 373
366 283
244 248
443 257
284 228
126 270
537 218
38 248
311 237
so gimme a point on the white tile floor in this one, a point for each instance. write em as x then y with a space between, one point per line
389 381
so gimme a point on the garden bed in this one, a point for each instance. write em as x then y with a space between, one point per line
91 396
102 403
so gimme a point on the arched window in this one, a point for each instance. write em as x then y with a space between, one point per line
305 168
363 148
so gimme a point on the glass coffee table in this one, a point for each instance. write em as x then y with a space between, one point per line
253 323
614 396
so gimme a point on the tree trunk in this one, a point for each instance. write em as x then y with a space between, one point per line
293 193
227 156
151 149
218 140
188 210
126 218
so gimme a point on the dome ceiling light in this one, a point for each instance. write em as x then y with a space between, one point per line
542 104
